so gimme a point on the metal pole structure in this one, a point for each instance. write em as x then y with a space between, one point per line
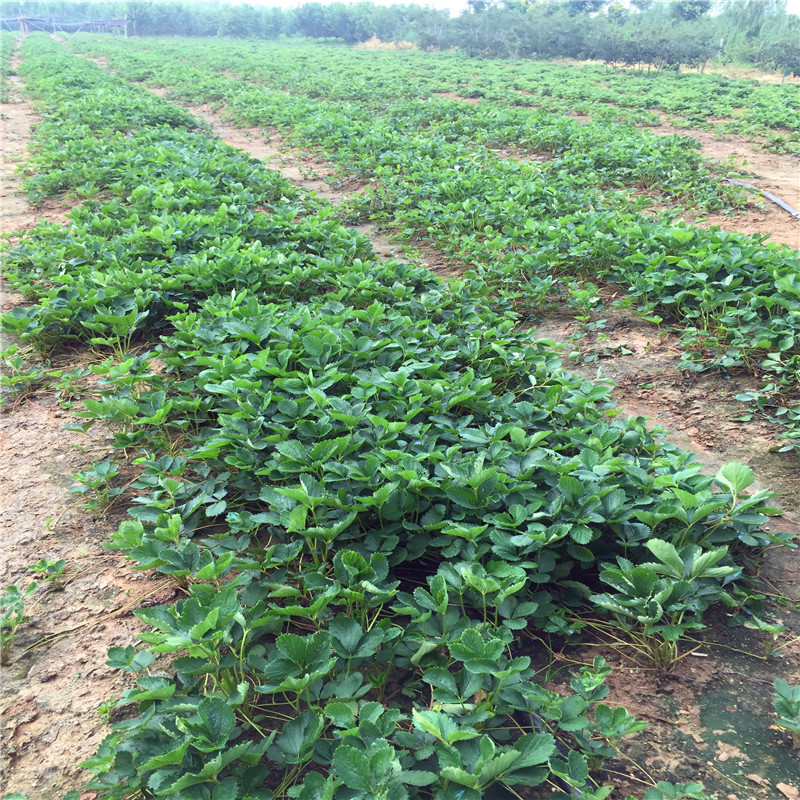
83 25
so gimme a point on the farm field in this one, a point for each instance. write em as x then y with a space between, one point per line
369 413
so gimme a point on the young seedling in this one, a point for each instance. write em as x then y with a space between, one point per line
772 630
787 706
96 482
50 571
12 615
19 379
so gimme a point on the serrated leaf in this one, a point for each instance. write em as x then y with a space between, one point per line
425 648
498 765
341 714
460 776
174 756
297 519
703 565
294 450
417 777
352 766
534 748
428 721
218 718
296 741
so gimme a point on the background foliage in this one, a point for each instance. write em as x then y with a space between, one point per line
653 33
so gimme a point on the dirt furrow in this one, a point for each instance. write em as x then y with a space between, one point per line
771 172
56 677
776 173
699 411
319 179
16 119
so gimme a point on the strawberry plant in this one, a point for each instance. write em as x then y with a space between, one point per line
12 615
7 46
49 571
19 377
787 706
97 484
517 223
658 611
367 485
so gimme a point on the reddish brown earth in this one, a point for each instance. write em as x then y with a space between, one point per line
771 172
56 679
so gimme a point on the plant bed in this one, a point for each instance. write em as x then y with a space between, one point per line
375 498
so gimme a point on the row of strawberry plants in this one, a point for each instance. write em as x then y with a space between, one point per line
373 494
169 217
536 228
751 107
7 45
584 155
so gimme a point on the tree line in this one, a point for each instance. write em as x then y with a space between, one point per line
651 34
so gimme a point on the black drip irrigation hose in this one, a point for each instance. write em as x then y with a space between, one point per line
776 200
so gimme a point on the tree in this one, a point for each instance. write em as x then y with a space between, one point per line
237 21
341 23
272 23
689 9
576 7
617 13
430 27
389 24
749 16
610 43
780 45
311 20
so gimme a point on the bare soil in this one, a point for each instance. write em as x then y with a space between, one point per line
56 677
16 119
771 172
710 720
473 101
